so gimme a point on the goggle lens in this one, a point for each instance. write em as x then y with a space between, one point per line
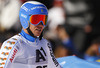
35 19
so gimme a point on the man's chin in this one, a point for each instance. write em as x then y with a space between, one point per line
38 34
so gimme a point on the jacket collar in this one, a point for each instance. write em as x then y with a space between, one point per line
27 36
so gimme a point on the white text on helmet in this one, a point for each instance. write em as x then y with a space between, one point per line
26 9
23 15
37 7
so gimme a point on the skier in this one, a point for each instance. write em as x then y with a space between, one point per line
29 49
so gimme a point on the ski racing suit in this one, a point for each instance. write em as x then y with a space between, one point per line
24 51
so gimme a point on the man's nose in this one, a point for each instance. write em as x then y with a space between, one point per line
40 23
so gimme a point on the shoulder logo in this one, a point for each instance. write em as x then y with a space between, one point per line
8 48
10 42
5 53
3 59
14 38
3 63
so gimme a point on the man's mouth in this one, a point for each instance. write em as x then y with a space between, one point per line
38 30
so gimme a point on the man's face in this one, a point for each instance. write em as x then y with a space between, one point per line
36 30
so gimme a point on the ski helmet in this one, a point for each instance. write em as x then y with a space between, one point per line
31 8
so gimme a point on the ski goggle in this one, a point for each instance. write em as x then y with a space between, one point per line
36 19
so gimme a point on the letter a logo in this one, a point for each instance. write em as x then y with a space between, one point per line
39 56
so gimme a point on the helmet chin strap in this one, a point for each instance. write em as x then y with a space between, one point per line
30 32
40 37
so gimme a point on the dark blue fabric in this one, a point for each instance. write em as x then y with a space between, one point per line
69 44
